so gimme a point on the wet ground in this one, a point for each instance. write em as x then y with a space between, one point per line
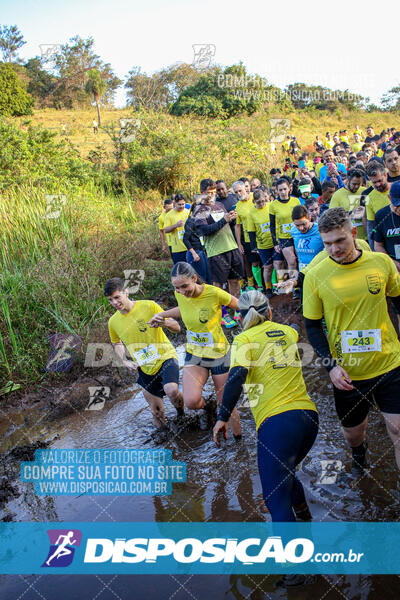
222 485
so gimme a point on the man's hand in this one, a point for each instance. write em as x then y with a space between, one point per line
196 257
130 364
230 216
220 427
241 249
340 378
179 223
277 248
157 320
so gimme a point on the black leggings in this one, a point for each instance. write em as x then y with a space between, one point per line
283 441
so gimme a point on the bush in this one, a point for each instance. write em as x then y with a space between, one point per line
14 99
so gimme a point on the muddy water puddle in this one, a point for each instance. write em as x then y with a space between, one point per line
222 485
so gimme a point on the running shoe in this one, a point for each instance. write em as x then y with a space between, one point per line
269 293
250 288
236 316
228 322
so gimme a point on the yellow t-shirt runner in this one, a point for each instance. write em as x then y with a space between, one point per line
176 236
148 346
258 221
352 298
283 216
374 202
274 383
161 225
360 245
202 319
243 208
349 202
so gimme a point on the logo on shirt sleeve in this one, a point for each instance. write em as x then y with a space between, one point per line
374 284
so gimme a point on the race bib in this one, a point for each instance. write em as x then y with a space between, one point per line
302 266
200 339
217 216
265 228
397 251
146 355
286 227
201 240
365 340
181 234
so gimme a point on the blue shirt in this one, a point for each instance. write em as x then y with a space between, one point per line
322 174
307 245
340 183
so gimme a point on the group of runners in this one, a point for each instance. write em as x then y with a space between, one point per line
332 235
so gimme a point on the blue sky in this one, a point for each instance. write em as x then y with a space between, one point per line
342 45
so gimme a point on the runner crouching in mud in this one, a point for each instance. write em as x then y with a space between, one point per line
153 354
265 358
207 349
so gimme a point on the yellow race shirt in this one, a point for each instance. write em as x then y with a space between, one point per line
357 146
243 208
374 202
148 346
329 143
274 383
176 236
352 298
161 225
360 245
349 202
202 319
317 167
283 216
258 221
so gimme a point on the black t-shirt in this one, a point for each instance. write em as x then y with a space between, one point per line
392 179
230 204
365 193
387 231
371 138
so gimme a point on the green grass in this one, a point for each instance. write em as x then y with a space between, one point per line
53 269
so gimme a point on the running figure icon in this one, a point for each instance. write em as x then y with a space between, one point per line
62 549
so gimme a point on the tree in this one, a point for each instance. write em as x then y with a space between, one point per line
40 83
303 95
72 63
158 91
145 90
11 40
391 100
96 87
223 93
14 99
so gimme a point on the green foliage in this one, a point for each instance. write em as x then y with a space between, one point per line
35 156
73 63
11 40
223 94
42 85
391 100
51 280
158 91
303 96
14 99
